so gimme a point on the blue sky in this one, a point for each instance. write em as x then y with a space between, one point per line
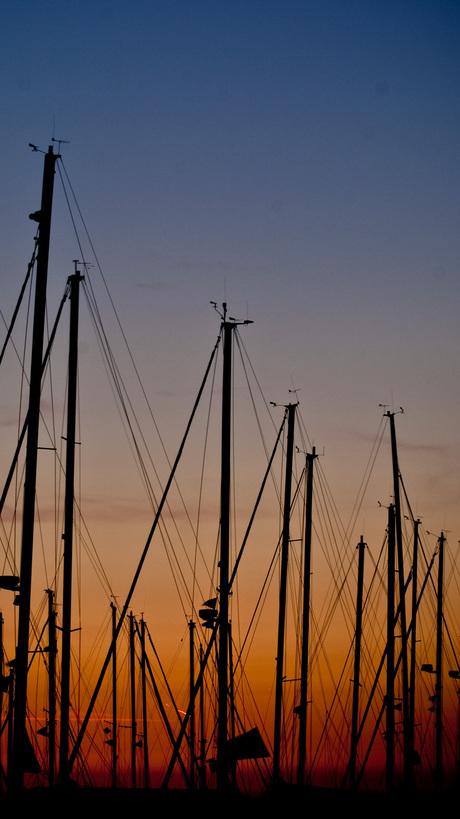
297 159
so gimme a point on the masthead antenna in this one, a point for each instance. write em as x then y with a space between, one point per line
60 142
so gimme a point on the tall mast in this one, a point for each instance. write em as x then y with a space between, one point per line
438 701
74 282
305 622
145 744
356 684
228 326
231 697
114 697
222 668
52 648
133 699
202 734
413 645
282 604
402 601
191 626
390 695
43 216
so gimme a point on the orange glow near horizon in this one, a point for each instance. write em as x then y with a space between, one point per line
161 600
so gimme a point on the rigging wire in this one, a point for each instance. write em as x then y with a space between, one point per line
10 328
327 526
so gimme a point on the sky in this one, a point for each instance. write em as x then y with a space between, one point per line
298 161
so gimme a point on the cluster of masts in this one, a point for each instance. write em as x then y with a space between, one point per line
215 611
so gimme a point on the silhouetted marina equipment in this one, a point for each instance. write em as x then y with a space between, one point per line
211 740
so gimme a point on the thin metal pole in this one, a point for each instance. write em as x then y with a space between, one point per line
52 687
282 603
439 636
22 649
191 626
413 654
402 603
301 773
222 664
133 700
64 771
356 684
203 783
390 695
114 698
144 708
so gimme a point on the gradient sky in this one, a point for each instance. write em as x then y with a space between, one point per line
298 160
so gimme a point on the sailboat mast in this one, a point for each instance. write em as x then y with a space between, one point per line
43 216
232 697
222 668
283 588
228 326
202 733
145 744
413 646
74 282
390 695
52 687
133 699
402 602
305 622
438 702
191 626
356 683
114 697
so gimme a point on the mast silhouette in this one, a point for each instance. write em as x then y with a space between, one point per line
114 741
302 708
145 744
390 695
43 216
282 601
132 679
414 756
222 660
439 647
356 684
64 771
192 734
52 649
228 327
402 603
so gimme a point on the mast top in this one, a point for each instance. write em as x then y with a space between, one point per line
231 319
50 151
